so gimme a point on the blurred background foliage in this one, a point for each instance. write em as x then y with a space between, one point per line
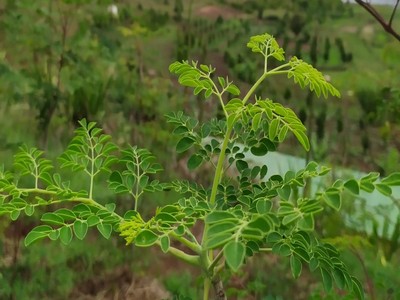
107 61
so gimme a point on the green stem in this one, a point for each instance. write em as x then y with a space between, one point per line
192 246
206 290
215 261
87 201
191 259
220 164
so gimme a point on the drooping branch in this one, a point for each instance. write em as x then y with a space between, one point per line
386 25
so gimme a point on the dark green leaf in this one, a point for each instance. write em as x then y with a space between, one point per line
274 237
296 266
326 279
357 288
194 161
184 144
352 186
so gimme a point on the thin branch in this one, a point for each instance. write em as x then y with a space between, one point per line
373 12
393 12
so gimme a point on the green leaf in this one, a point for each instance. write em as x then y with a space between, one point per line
274 237
52 218
54 235
29 210
233 89
259 150
66 235
184 144
339 278
65 214
241 165
164 242
384 189
352 186
256 121
194 161
303 139
273 129
284 192
15 214
234 253
218 240
332 198
105 230
218 216
326 279
290 218
357 288
263 206
80 229
220 228
392 180
146 238
296 266
282 249
37 233
110 207
93 220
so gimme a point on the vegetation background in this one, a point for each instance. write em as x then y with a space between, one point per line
62 60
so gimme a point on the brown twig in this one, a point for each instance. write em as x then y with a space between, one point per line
386 25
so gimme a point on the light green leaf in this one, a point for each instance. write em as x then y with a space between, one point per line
52 218
165 243
392 180
37 233
218 216
54 235
15 214
273 129
234 253
80 229
66 235
105 230
29 210
384 189
146 238
332 198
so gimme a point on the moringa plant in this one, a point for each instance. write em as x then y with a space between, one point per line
243 213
